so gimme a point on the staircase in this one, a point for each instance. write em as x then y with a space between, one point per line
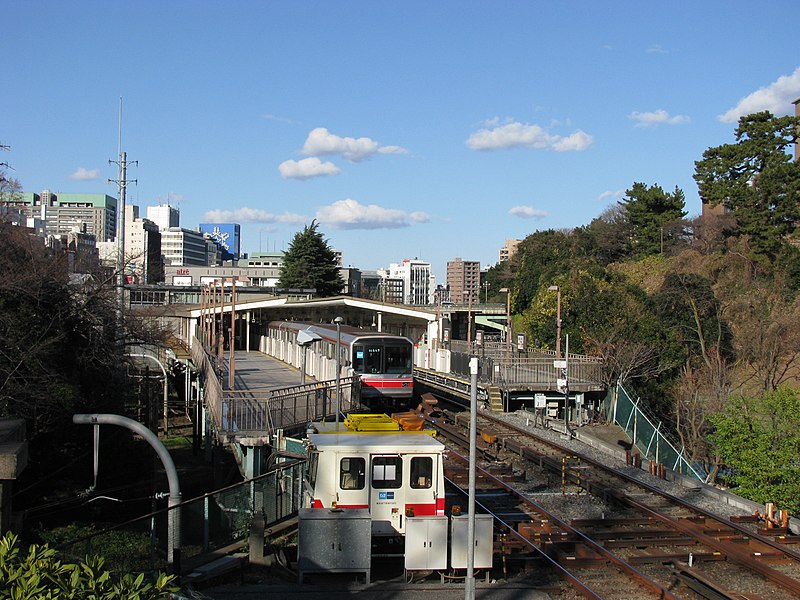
495 399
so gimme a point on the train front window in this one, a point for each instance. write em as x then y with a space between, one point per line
387 472
367 359
398 359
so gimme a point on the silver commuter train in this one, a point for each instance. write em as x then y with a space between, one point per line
383 361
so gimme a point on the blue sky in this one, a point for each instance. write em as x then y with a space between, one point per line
428 130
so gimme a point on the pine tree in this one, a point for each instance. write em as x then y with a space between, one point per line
310 263
655 218
756 180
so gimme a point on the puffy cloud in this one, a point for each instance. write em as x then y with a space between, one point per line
307 168
657 117
527 212
84 174
251 215
419 217
320 141
350 214
777 98
522 135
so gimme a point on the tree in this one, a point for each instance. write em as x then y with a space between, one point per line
756 180
58 345
8 185
655 218
759 439
311 264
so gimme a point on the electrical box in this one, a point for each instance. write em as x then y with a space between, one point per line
426 543
459 541
334 541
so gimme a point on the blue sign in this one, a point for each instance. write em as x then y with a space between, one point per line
385 495
227 236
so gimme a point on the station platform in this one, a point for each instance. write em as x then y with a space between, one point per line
255 371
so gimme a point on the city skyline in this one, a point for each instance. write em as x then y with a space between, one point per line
415 130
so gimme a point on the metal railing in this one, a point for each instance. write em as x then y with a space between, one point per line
258 412
261 412
583 372
646 432
211 522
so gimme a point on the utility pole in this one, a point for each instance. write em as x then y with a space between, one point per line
122 184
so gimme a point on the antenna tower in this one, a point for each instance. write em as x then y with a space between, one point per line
122 185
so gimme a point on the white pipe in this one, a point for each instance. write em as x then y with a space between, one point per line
173 515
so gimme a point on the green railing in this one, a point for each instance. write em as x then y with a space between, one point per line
218 520
646 432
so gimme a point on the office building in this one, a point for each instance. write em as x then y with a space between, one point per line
417 281
61 213
164 216
142 248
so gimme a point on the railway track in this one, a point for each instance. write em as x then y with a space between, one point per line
634 540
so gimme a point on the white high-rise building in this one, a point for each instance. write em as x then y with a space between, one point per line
417 280
164 215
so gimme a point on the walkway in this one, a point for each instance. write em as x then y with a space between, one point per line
256 372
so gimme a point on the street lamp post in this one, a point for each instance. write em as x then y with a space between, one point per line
508 321
469 319
338 321
557 289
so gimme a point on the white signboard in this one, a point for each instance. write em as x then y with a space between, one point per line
181 280
540 401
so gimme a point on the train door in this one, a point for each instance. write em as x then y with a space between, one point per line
351 481
387 497
422 493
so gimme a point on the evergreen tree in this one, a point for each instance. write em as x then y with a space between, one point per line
655 218
756 180
310 263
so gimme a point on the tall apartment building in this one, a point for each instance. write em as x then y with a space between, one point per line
509 250
164 216
464 280
417 281
142 247
61 213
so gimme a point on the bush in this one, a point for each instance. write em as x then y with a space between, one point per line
40 574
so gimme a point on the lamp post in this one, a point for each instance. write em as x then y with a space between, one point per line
338 321
557 289
507 292
469 319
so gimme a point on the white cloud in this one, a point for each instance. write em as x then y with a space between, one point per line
777 98
419 217
657 117
251 215
656 49
84 174
307 168
320 141
611 194
522 135
527 212
350 214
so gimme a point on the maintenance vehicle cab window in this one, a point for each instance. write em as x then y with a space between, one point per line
351 473
387 472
